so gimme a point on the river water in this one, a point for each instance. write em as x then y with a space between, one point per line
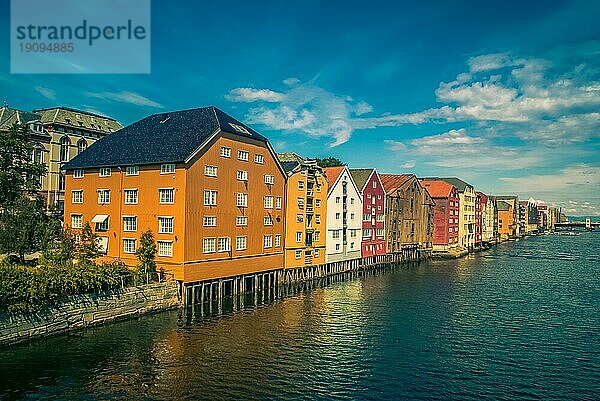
520 321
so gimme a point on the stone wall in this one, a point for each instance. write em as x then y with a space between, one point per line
88 310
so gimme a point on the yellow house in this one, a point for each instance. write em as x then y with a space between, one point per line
306 211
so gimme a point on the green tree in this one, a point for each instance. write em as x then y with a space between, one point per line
146 253
87 248
59 245
330 162
19 174
22 227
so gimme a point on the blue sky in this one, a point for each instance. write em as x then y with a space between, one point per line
505 95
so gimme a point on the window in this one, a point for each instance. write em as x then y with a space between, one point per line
353 233
351 216
269 179
268 221
316 235
352 201
225 152
277 240
316 253
103 196
367 217
210 221
379 217
166 195
242 199
76 221
240 243
268 241
210 198
78 173
317 218
242 175
165 225
168 168
77 196
337 247
242 155
299 218
241 221
335 234
128 245
259 159
224 244
318 203
210 171
337 199
298 253
61 182
278 203
374 184
300 185
337 216
132 170
239 128
299 236
65 143
367 233
352 245
129 223
301 202
131 196
81 145
165 248
105 172
318 187
209 245
268 200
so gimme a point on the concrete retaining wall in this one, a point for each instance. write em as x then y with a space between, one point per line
88 310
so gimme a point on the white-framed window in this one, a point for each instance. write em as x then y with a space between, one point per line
374 184
103 225
223 244
269 179
299 218
337 247
165 248
367 217
268 220
300 202
78 173
335 234
242 175
103 196
317 218
318 187
298 253
277 240
337 199
76 221
128 245
129 223
298 236
300 185
316 236
225 152
209 245
166 195
241 199
168 168
268 200
241 221
210 221
240 243
132 170
210 197
165 225
105 172
367 233
337 216
243 155
268 241
210 171
379 217
353 233
77 196
278 202
131 196
317 202
259 159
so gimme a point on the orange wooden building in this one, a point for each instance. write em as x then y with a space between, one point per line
209 187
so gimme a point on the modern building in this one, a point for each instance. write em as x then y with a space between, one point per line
446 214
306 211
528 217
373 221
507 223
59 134
409 213
344 215
209 187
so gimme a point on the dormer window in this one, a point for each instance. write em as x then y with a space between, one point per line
239 128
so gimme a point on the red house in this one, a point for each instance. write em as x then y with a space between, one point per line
373 197
445 214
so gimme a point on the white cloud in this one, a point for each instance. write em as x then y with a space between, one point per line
253 95
452 137
363 108
125 97
46 92
395 145
408 164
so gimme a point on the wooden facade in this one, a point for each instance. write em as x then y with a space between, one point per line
373 222
446 214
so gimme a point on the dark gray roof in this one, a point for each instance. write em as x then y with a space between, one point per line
501 205
160 138
360 176
289 166
457 182
9 116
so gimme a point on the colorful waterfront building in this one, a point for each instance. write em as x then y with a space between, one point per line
446 214
489 218
507 227
513 200
306 211
373 222
210 188
58 134
344 215
478 219
409 214
528 217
